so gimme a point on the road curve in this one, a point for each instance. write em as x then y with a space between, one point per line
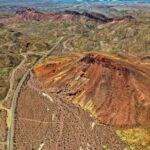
10 134
12 78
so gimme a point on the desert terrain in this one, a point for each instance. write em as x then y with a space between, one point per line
75 79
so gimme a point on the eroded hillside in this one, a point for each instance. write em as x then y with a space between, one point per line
114 89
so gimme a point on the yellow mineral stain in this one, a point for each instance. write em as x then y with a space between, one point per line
89 105
135 136
141 99
8 118
80 148
81 103
86 106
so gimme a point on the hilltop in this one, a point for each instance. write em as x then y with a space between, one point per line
114 89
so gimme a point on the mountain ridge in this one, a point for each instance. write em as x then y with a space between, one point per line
29 14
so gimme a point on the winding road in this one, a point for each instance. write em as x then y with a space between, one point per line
10 134
12 78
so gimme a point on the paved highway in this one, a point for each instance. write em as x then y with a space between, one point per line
10 135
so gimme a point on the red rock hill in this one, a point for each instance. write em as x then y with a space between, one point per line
114 89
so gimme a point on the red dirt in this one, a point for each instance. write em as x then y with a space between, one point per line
69 129
114 90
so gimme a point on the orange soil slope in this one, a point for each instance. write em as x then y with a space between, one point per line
114 89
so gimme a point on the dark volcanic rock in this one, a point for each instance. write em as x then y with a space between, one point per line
97 17
91 15
145 57
25 10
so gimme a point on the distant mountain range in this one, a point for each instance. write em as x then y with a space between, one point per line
110 8
26 2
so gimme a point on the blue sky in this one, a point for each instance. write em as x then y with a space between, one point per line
70 1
